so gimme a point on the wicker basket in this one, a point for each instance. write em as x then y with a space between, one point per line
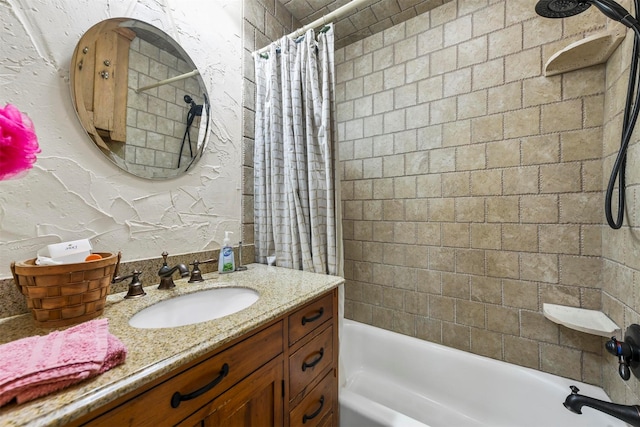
62 295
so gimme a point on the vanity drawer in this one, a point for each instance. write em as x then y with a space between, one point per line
162 405
309 317
309 361
317 404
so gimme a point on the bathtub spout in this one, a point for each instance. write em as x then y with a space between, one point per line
630 414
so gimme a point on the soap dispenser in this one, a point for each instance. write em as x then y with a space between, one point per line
226 264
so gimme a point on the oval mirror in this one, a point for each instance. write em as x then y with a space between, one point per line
140 98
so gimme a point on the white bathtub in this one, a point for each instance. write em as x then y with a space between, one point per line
395 380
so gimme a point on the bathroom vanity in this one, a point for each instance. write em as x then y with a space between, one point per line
273 363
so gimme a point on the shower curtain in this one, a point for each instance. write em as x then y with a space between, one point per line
296 208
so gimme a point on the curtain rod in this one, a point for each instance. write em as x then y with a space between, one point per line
320 21
169 80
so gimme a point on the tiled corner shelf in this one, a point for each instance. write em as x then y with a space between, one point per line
589 51
583 320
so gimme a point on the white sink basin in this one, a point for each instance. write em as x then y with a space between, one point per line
194 308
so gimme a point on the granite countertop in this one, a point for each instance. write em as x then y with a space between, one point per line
152 353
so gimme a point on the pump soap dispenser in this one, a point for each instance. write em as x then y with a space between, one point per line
226 264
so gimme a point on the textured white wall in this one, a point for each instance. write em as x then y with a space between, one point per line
73 191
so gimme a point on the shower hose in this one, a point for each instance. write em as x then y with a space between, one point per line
629 120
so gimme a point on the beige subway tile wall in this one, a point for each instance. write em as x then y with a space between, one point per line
472 186
620 249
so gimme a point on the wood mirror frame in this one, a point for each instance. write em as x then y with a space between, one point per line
140 98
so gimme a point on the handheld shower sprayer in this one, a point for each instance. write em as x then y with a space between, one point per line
189 100
613 10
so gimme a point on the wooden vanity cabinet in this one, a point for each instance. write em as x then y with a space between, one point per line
180 394
282 374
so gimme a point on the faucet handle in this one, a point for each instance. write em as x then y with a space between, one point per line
133 275
196 274
624 353
135 287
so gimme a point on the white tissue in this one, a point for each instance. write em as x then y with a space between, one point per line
44 260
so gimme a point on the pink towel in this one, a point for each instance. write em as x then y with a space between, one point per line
35 366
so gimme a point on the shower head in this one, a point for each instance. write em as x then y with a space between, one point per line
560 8
566 8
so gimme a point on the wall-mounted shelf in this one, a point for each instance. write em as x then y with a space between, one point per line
583 320
589 51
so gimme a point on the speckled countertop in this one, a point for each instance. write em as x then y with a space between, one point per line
155 352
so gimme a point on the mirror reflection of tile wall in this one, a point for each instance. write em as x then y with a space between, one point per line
157 117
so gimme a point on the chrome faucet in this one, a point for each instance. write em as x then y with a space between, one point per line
630 414
166 273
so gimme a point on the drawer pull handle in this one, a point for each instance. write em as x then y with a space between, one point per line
306 319
178 397
306 417
317 360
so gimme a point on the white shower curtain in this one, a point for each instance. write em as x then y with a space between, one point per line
296 216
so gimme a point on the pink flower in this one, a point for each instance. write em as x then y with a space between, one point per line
18 142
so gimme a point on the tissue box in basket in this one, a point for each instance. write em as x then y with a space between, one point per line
62 295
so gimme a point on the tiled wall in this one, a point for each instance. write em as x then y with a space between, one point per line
368 18
621 248
153 145
472 184
264 21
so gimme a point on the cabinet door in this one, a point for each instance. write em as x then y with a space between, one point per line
255 401
110 84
